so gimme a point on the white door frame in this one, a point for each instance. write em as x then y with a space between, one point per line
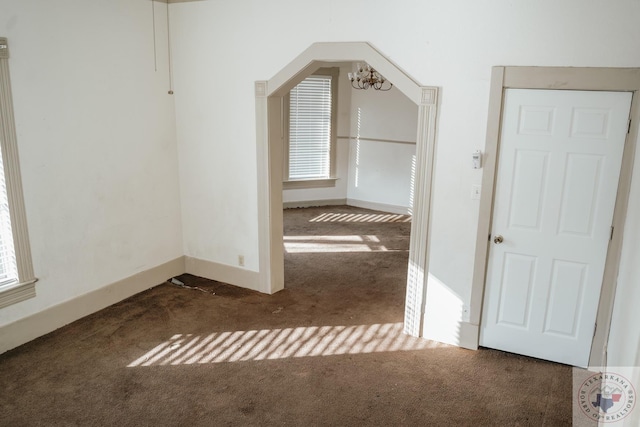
269 133
557 78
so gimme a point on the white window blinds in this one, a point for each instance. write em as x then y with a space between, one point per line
310 129
8 267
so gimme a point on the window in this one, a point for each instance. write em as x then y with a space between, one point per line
309 112
17 281
8 267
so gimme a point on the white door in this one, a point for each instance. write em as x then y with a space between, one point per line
558 171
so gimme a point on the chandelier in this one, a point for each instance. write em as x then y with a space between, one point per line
365 77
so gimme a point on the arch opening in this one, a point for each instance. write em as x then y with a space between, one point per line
269 98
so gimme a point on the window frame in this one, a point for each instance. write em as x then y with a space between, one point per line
24 287
330 181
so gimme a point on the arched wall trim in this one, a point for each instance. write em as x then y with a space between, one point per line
269 167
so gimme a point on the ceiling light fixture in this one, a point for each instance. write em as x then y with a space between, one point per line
365 77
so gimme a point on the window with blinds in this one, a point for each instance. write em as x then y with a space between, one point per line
8 268
310 118
17 280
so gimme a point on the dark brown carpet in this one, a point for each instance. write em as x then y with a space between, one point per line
325 351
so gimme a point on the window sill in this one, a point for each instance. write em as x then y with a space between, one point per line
309 183
15 292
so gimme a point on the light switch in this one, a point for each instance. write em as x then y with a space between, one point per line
476 159
475 192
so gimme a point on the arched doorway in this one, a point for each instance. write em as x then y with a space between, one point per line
269 96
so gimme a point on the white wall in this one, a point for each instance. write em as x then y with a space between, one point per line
438 43
96 138
223 47
381 161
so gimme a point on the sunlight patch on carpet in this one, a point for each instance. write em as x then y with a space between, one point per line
322 244
273 344
352 217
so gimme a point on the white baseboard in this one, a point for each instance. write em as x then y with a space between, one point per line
469 334
400 210
314 203
24 330
223 273
460 334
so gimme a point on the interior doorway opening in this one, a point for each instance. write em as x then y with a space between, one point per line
269 101
348 232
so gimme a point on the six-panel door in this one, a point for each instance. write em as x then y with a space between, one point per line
558 170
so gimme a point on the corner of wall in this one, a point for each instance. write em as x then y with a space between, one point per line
223 273
48 320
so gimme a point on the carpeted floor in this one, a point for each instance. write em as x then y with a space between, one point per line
325 351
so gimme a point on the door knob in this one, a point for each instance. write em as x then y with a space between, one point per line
498 239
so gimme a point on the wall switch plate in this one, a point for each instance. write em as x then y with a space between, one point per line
476 159
475 192
465 313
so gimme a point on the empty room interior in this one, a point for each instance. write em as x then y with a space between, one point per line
218 212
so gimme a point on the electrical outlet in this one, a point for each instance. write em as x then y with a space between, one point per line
241 260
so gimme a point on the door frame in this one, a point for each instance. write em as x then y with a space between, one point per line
269 145
557 78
